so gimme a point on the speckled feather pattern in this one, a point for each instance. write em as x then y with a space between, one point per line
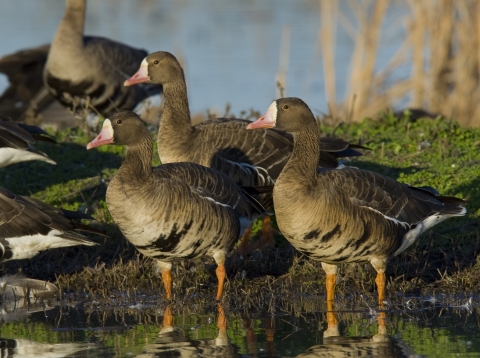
349 215
177 210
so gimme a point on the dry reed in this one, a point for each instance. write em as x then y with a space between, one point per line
441 48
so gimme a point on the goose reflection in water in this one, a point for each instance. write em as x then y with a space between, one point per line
172 341
379 345
28 348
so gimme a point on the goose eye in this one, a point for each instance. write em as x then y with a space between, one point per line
285 106
156 62
119 121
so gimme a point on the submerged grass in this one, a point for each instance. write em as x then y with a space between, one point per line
419 151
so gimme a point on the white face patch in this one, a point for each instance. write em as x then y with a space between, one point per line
144 66
107 125
271 115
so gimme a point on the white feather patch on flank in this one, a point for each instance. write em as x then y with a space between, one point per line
11 156
24 247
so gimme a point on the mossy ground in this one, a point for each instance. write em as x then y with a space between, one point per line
435 152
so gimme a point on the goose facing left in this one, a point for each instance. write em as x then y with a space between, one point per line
87 70
348 214
173 211
29 226
17 143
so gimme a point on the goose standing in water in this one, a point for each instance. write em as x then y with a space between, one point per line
174 211
348 214
249 158
90 71
17 140
28 226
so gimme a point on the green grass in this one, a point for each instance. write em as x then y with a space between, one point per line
435 152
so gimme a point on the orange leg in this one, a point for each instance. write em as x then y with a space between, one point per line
242 248
331 317
330 282
221 274
380 281
168 317
381 319
167 283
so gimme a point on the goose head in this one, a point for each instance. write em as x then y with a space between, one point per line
286 114
123 128
157 68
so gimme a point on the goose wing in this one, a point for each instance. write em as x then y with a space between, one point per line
22 216
212 185
394 200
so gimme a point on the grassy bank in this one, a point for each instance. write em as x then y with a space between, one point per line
436 152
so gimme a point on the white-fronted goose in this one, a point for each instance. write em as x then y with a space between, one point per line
174 211
249 158
26 91
17 140
348 214
90 71
28 226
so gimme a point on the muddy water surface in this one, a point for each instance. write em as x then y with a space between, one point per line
440 327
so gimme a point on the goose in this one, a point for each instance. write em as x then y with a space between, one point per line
17 143
249 158
86 71
345 215
26 92
28 226
173 211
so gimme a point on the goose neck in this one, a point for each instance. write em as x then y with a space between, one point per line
306 151
176 113
70 30
138 161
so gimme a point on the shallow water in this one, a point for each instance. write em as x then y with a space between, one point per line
231 49
415 328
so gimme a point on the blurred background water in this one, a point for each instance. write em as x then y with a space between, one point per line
231 50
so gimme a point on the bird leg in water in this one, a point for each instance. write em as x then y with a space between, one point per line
168 317
167 282
222 319
221 274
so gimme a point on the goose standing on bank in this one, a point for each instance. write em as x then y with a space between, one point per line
174 211
345 215
90 71
28 226
17 140
249 158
